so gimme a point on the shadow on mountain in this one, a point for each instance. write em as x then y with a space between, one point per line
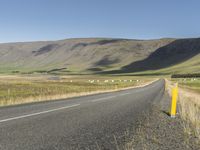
174 53
95 69
105 61
107 41
100 42
45 49
56 69
79 45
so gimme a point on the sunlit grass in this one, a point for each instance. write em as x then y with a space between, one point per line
189 102
193 84
16 90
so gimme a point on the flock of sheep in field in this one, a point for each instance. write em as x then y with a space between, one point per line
106 81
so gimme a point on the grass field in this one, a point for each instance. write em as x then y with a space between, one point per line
23 89
190 84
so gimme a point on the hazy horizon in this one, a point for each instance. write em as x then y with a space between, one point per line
97 38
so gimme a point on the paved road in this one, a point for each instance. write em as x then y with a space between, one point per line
78 123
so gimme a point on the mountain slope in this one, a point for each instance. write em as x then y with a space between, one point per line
92 55
179 56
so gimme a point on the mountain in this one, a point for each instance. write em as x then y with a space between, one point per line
101 55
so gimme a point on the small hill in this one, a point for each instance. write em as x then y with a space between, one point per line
101 55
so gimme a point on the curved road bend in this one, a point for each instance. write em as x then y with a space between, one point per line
88 122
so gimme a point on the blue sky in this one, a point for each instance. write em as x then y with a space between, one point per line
33 20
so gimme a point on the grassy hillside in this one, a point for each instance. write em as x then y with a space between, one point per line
101 55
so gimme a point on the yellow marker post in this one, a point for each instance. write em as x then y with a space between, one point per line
174 100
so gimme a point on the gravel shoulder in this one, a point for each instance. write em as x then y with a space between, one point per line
158 131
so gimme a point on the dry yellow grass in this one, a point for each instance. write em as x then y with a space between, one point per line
25 89
189 108
190 111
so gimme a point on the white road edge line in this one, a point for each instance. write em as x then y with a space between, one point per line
124 94
38 113
101 99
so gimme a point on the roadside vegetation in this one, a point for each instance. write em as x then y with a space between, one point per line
24 89
157 130
189 105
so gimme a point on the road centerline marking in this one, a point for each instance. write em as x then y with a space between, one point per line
101 99
37 113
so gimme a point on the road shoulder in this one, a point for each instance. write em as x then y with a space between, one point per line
159 131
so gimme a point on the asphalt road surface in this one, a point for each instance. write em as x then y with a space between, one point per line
89 122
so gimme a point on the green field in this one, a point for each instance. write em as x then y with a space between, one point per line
192 84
